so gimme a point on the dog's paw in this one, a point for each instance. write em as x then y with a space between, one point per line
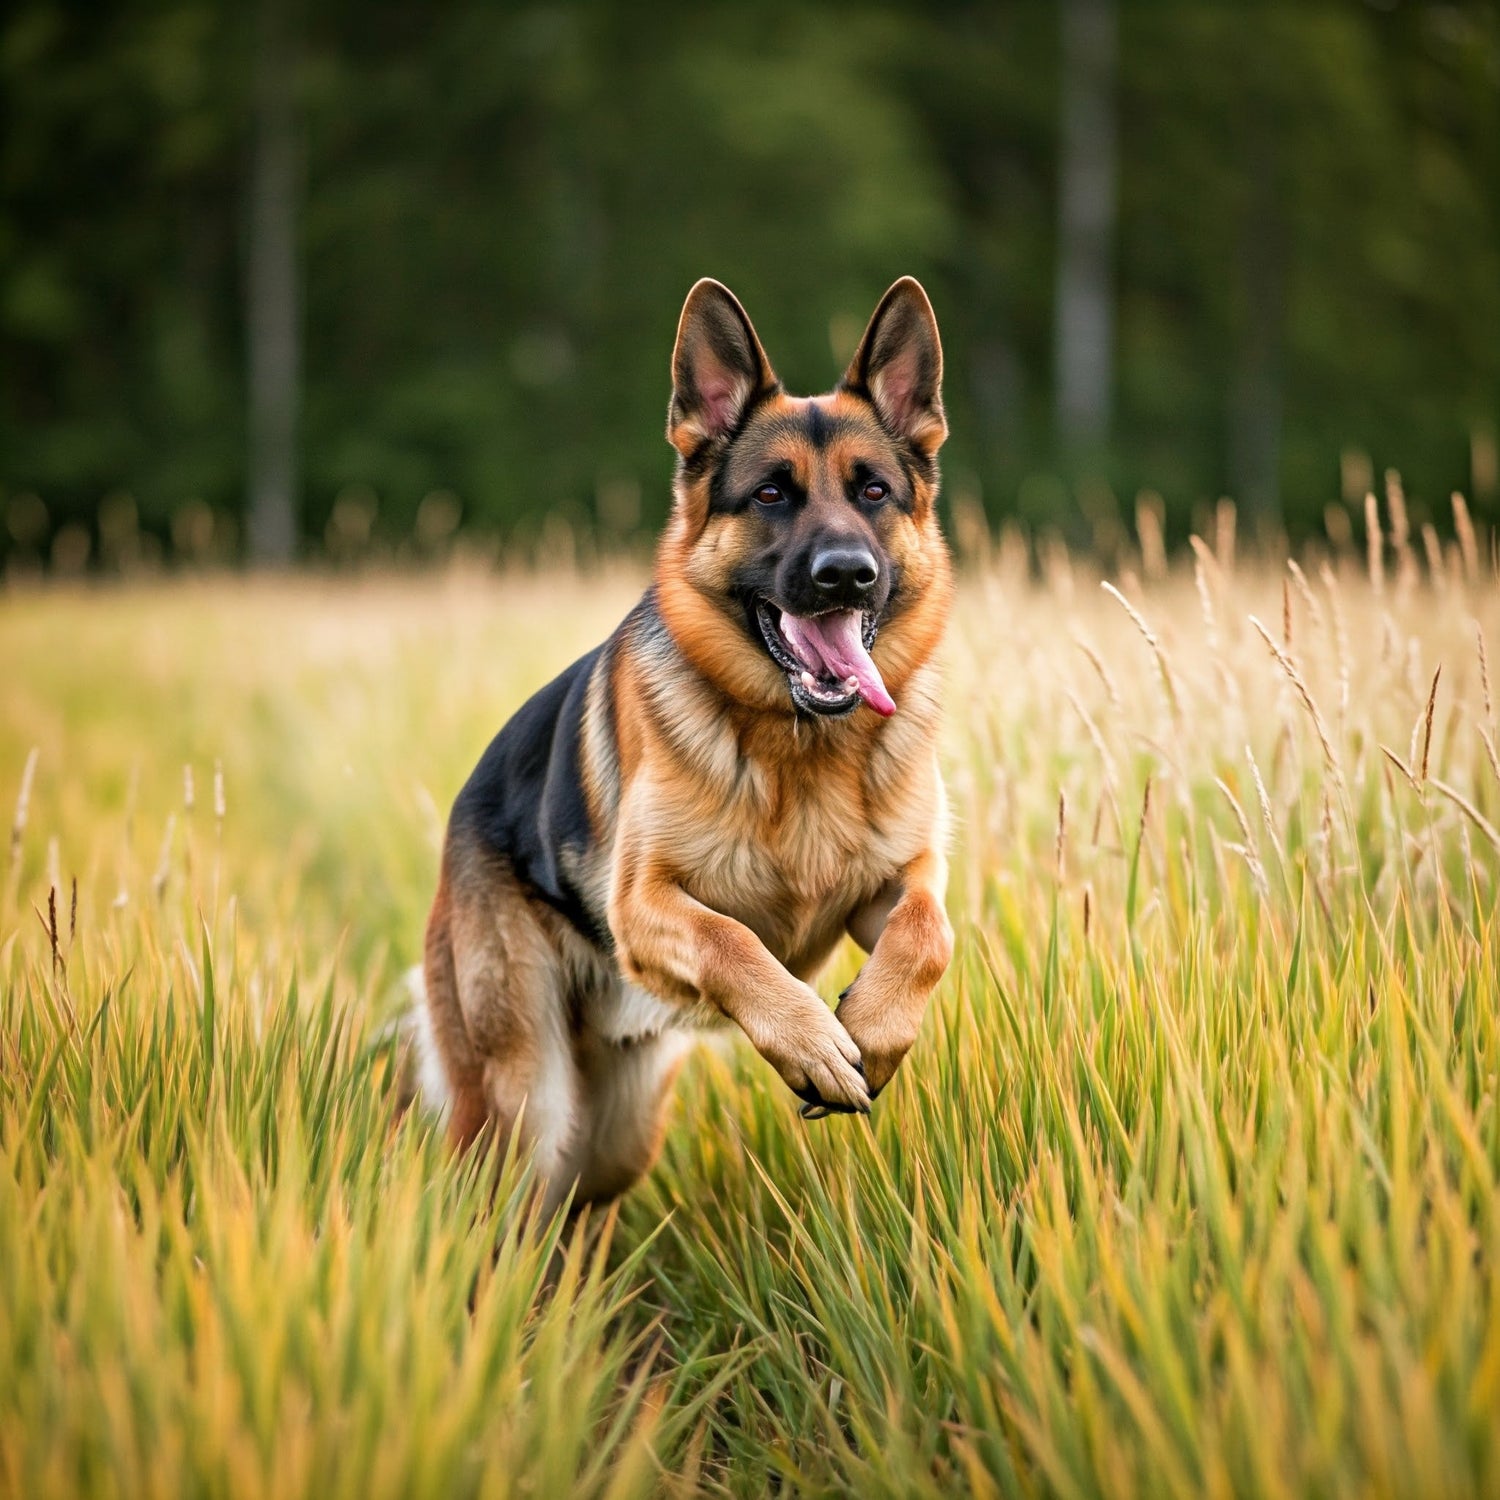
822 1065
884 1033
804 1041
816 1107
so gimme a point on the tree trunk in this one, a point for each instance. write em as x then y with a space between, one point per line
1255 405
1085 307
272 295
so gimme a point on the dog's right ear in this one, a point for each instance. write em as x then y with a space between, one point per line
718 368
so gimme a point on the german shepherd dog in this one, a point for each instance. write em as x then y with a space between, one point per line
680 828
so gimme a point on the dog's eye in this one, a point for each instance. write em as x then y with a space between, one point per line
874 492
769 494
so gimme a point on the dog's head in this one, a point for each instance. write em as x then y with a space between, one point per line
803 567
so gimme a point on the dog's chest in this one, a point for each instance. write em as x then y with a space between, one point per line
793 859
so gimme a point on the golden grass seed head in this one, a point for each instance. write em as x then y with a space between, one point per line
1436 572
1427 722
1395 502
1374 544
1305 593
1463 526
1289 667
1150 511
1202 562
163 869
23 805
1226 519
1484 674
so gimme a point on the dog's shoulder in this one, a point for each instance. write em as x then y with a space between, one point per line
531 800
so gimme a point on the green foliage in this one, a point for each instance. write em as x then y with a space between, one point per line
1189 1186
504 206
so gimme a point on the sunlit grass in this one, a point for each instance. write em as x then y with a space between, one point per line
1189 1187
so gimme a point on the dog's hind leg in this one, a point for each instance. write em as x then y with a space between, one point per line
448 1075
496 1004
626 1086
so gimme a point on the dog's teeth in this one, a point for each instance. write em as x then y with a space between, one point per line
851 682
809 682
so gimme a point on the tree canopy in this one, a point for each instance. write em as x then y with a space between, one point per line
498 210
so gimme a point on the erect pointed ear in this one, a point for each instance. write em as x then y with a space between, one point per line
718 368
899 367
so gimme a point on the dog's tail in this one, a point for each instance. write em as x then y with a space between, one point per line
420 1079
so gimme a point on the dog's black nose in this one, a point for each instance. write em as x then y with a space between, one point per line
844 571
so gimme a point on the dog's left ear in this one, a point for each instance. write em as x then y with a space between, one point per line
718 368
899 367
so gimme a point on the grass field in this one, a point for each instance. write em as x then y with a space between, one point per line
1189 1187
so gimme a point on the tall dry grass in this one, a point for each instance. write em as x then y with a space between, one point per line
1189 1187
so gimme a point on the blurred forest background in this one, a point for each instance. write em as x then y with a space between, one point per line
318 278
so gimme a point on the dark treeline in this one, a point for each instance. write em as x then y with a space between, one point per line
382 266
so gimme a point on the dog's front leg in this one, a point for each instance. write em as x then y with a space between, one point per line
907 934
680 949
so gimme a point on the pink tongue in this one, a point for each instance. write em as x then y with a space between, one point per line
832 645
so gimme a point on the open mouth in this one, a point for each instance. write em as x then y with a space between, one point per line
826 658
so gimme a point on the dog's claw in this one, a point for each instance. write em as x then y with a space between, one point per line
816 1107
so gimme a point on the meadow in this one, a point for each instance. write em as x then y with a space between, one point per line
1189 1187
